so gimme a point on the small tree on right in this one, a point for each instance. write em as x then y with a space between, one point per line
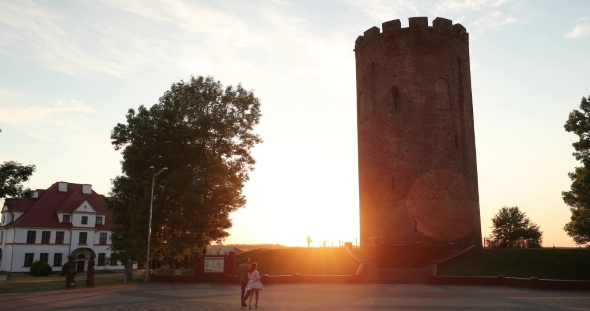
512 228
578 198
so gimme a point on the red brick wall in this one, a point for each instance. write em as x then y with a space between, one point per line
416 143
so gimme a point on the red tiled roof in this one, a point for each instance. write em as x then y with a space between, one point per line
42 211
11 203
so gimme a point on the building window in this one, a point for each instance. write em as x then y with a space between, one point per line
45 236
83 236
59 237
103 238
31 237
84 220
101 259
29 259
3 219
44 257
57 260
1 237
99 220
66 219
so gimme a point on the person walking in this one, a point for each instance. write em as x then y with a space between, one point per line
243 277
253 276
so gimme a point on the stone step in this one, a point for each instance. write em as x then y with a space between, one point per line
373 273
394 281
395 276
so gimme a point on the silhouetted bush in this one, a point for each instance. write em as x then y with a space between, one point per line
41 268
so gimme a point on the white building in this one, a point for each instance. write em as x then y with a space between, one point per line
54 223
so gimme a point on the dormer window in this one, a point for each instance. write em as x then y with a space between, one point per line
66 219
84 220
99 220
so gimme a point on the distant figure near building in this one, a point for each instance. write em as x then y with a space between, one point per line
416 142
90 272
70 268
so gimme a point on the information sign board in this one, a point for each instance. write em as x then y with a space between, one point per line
214 264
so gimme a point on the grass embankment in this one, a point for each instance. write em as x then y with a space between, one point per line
544 263
287 261
25 283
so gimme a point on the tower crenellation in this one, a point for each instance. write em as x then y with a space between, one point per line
393 26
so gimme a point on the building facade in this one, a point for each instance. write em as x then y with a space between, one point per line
416 141
64 219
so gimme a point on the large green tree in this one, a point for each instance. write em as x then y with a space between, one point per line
12 175
512 228
578 198
204 135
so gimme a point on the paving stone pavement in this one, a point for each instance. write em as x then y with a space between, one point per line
311 297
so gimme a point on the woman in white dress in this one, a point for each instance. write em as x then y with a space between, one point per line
253 276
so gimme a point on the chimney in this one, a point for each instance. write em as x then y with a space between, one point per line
87 189
63 186
35 195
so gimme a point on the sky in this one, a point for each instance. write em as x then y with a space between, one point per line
69 71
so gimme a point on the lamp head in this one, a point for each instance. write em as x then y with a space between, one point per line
165 168
152 167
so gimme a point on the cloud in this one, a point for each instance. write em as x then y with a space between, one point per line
163 35
52 38
16 114
494 20
460 6
580 30
477 15
382 10
44 121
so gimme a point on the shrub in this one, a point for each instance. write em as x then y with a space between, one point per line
41 268
106 270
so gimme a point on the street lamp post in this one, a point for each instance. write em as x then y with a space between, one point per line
147 270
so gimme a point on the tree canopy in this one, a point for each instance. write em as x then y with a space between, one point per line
204 135
578 198
12 175
512 228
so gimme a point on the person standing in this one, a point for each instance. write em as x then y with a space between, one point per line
253 276
243 277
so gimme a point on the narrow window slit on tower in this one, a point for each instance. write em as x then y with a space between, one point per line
394 101
456 141
415 226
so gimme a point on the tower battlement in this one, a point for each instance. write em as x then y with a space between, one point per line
394 27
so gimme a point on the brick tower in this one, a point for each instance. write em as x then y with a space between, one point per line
416 143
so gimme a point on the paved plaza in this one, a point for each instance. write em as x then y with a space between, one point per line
179 297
